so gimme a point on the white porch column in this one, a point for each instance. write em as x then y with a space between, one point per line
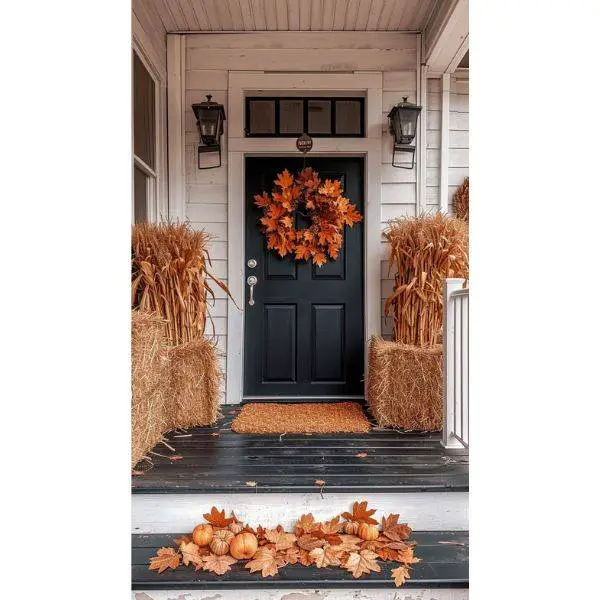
444 143
176 124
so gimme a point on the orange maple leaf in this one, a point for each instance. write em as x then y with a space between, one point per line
190 553
331 188
269 223
302 252
284 180
360 513
166 558
262 200
324 557
362 563
217 564
282 540
400 575
217 518
305 524
266 561
319 259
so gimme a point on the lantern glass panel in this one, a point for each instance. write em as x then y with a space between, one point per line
406 124
209 124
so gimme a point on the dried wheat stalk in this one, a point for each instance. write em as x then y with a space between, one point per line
424 251
169 277
460 201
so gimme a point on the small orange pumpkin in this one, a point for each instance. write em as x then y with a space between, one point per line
202 534
243 545
368 532
351 527
236 527
220 542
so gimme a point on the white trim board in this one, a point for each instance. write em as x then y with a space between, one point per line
242 83
176 125
159 207
176 513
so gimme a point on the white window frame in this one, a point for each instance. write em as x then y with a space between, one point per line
155 182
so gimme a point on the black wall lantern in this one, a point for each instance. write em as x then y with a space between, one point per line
403 126
209 119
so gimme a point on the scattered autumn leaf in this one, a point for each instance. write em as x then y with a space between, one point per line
363 562
452 543
266 561
217 518
305 524
308 542
319 482
166 558
291 555
361 455
400 575
282 540
325 557
217 564
190 553
349 543
251 483
360 514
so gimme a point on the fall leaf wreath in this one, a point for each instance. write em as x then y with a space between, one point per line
354 544
323 203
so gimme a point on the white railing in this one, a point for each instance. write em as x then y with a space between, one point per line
456 365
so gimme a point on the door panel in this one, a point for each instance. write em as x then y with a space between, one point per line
304 335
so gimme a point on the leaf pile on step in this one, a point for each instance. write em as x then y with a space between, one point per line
357 544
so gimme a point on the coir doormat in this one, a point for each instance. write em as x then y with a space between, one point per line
272 418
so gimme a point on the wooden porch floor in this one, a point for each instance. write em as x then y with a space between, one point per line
215 459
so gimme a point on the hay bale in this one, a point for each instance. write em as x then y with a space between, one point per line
149 383
404 387
194 385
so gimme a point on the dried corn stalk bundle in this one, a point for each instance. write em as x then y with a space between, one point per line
424 251
460 201
169 277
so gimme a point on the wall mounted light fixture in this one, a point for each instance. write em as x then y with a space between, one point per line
403 126
209 119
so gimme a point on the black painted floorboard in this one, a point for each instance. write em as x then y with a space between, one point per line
215 459
444 564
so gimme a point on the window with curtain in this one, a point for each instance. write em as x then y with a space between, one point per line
144 141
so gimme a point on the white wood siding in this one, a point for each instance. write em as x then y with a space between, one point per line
209 58
458 160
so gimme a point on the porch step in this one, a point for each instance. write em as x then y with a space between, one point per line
444 564
427 511
216 460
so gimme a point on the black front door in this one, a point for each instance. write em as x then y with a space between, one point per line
304 334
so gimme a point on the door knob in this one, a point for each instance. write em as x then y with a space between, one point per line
251 281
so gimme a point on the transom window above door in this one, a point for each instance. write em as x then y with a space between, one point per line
292 116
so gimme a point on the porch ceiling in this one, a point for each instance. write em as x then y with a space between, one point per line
291 15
